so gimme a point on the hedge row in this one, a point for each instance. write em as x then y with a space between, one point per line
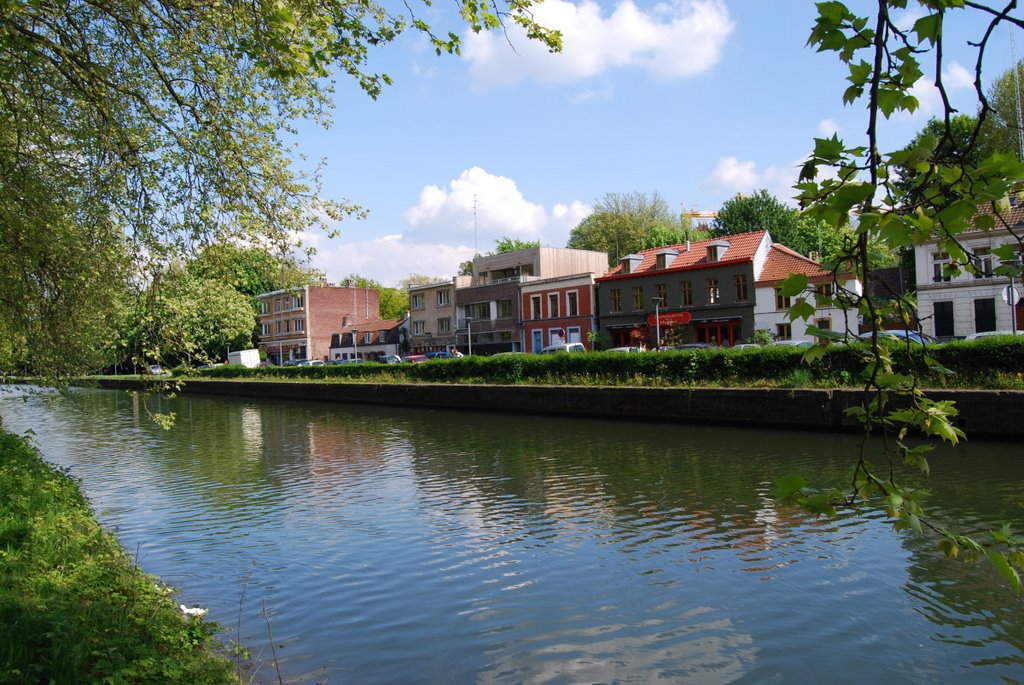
972 363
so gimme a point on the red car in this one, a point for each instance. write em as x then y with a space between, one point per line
416 358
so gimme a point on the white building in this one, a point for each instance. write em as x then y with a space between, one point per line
951 305
771 307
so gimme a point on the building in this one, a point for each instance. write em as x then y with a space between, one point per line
433 324
298 323
771 307
557 310
954 305
371 340
699 292
490 307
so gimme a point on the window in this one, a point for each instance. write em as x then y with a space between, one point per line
573 304
783 331
984 315
535 312
573 334
823 295
444 325
279 328
553 305
740 281
504 309
661 290
616 300
297 302
444 298
264 329
416 301
714 294
940 261
418 327
287 326
368 338
823 324
638 297
983 262
478 310
686 289
277 304
782 302
299 325
263 307
943 316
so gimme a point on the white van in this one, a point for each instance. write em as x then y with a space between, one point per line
564 347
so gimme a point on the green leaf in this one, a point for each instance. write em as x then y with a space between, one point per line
1002 565
793 285
787 486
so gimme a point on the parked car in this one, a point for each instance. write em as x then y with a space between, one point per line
294 362
390 359
437 355
625 349
336 362
564 347
901 334
416 358
311 362
692 346
792 343
156 370
987 334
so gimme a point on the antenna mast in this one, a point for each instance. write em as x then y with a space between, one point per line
1016 91
476 251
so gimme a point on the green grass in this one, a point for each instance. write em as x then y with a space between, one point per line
74 607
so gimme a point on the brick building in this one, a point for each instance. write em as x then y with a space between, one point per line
298 323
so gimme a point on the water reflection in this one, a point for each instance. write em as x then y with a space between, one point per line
421 546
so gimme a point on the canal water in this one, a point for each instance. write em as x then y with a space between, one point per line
415 546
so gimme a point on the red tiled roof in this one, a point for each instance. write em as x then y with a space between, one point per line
742 247
1011 218
783 262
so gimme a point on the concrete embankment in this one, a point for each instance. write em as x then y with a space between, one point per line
983 413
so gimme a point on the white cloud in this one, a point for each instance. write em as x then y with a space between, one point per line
735 176
828 127
388 259
672 40
478 207
441 234
955 78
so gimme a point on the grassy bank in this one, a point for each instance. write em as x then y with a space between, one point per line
74 607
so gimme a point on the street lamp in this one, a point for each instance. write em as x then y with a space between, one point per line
657 321
355 343
469 334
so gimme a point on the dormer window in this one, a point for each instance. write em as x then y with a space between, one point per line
664 258
630 263
717 250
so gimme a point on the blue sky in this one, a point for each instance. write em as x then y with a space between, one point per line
694 99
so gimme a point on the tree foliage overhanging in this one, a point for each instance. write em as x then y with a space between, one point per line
132 132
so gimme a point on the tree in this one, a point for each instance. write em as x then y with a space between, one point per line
761 211
466 268
394 302
193 319
940 200
506 244
164 124
622 223
1001 131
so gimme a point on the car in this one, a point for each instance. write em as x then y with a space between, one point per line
416 359
746 346
900 334
312 362
336 362
390 359
437 355
692 346
625 349
156 370
987 334
564 347
792 343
